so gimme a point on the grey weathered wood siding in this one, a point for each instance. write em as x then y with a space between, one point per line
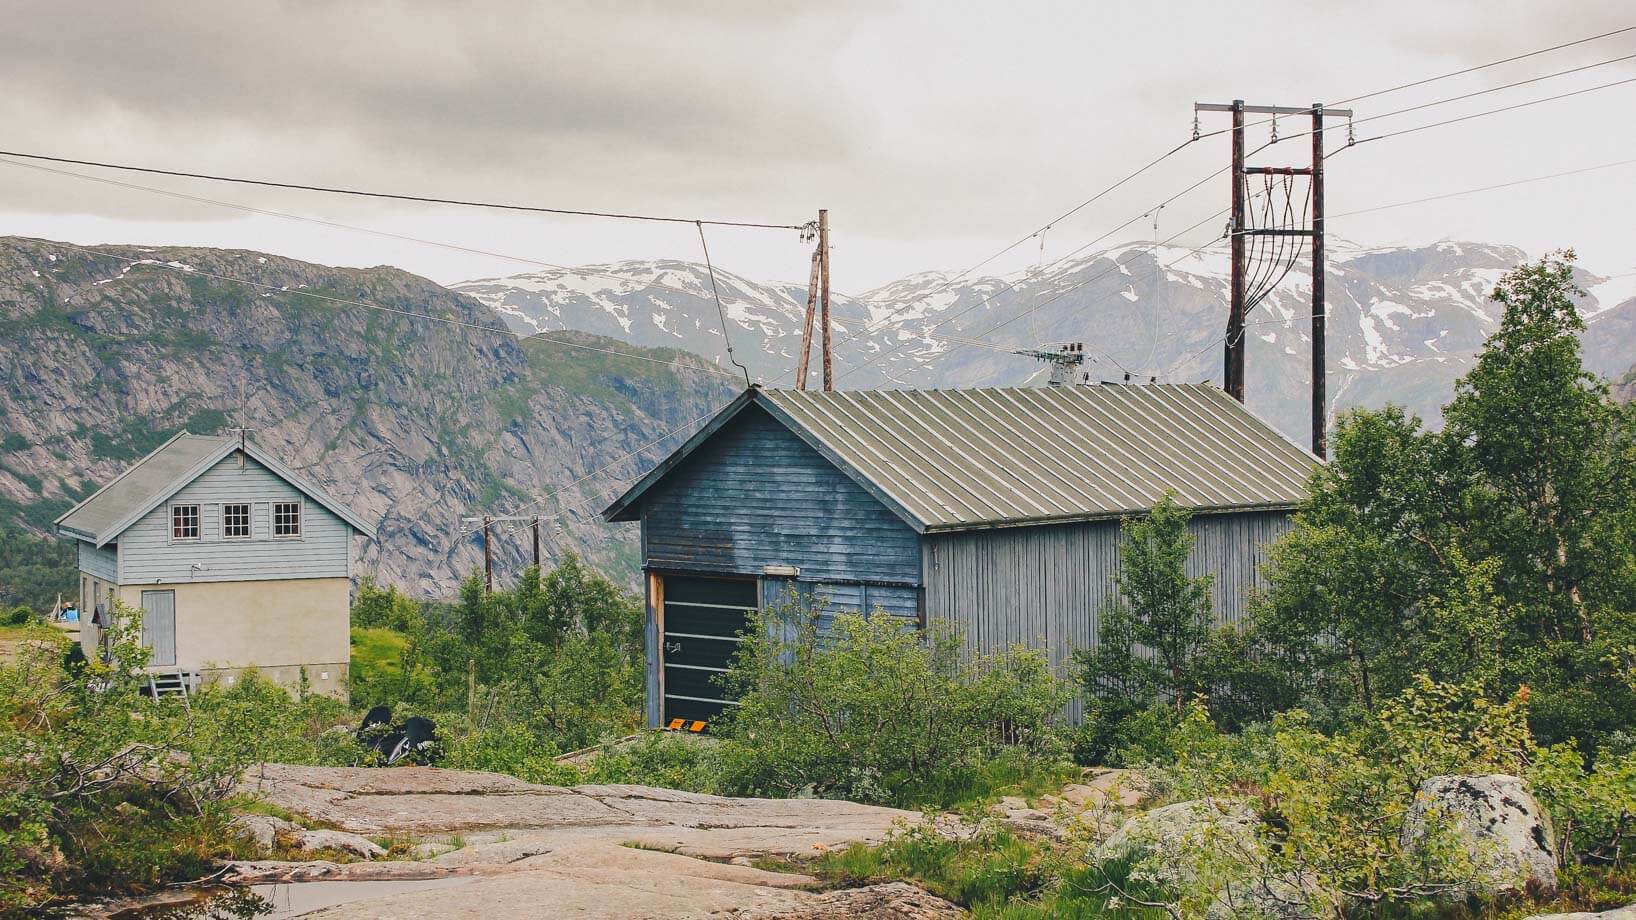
148 555
98 562
757 495
1046 586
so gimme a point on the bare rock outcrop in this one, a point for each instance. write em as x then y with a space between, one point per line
613 852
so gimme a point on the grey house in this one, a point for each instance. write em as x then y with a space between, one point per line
996 509
234 560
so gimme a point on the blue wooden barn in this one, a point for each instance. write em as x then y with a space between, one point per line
996 509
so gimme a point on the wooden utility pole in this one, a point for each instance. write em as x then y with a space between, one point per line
488 558
806 329
823 258
535 524
1320 306
1232 372
1233 359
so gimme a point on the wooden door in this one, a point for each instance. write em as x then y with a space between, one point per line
159 626
703 618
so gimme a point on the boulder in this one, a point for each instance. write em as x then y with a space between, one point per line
1504 829
1169 839
263 830
340 841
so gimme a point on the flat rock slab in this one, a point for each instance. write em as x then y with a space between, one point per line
425 801
586 851
604 882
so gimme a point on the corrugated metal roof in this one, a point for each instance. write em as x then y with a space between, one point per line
131 491
159 475
959 459
992 457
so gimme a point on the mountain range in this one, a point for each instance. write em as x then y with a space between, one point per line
420 405
414 423
1404 322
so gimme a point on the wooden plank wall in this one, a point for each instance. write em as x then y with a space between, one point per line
323 550
757 495
1045 587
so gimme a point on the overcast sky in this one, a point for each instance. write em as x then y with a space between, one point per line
935 132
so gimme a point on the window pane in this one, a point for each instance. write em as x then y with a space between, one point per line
184 522
235 521
286 519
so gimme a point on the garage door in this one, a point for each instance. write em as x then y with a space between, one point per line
703 620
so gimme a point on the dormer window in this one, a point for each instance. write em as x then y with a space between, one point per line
184 522
286 519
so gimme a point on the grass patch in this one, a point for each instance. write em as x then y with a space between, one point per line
377 653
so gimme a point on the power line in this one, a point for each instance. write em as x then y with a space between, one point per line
1453 73
721 311
392 196
286 215
1509 108
283 289
1485 188
873 325
1464 71
1011 285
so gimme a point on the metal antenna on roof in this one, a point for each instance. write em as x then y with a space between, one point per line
1064 361
243 434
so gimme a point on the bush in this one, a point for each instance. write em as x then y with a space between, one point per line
876 711
510 749
21 615
107 791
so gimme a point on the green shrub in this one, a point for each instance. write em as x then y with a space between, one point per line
21 615
1117 733
876 711
660 759
106 791
510 749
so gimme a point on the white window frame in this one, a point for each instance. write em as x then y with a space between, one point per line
300 520
198 522
249 521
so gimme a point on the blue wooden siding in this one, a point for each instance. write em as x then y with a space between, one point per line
1045 587
147 555
756 495
100 563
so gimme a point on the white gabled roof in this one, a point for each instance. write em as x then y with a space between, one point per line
152 480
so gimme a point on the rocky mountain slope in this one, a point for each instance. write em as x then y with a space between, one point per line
413 423
1405 323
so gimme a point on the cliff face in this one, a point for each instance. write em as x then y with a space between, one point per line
412 423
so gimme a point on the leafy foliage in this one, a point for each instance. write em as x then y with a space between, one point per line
873 710
517 676
106 790
1503 547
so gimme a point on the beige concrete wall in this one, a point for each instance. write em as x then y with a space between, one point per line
93 590
275 626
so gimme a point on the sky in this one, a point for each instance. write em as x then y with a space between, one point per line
935 133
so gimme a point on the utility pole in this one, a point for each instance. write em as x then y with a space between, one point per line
823 258
1233 369
535 524
1232 372
488 558
487 522
1320 305
806 329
